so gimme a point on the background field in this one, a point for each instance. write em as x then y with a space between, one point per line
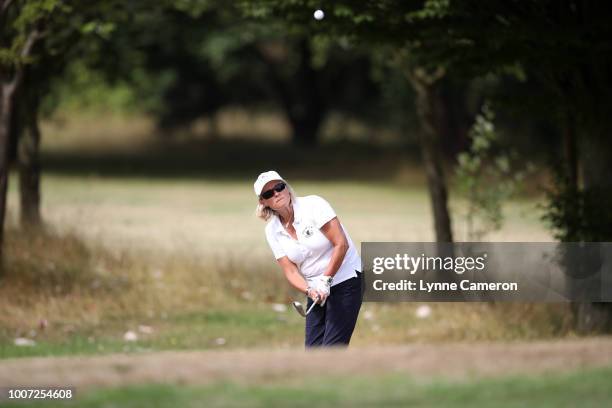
178 257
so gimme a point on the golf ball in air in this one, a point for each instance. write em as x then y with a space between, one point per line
319 14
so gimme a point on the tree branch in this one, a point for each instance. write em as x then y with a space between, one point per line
26 51
34 36
4 5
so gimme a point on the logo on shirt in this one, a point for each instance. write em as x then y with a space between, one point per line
308 231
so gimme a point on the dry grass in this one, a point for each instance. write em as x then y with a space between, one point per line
59 280
399 323
55 280
80 290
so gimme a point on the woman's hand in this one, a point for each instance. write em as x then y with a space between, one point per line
319 291
311 293
317 296
322 285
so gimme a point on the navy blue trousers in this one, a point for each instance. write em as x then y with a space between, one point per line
333 323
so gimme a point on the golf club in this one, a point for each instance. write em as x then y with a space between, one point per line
300 309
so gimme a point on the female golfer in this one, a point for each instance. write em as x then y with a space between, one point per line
316 255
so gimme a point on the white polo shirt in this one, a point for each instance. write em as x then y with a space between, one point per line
312 251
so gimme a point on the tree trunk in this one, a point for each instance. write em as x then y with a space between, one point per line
596 151
592 318
426 100
453 119
6 112
9 86
29 164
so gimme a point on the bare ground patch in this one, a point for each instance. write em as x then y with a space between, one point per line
419 361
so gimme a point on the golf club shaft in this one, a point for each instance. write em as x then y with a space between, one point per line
314 302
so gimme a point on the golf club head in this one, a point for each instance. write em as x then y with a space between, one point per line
299 308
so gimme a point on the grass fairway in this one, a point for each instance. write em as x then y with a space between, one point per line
237 327
209 219
586 388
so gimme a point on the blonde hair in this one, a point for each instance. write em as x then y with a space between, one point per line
265 213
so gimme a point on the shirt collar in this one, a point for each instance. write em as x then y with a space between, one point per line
297 218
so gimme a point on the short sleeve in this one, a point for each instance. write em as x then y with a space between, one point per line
275 246
321 210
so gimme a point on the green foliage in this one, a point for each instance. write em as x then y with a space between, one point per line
578 215
431 9
86 90
486 177
18 25
66 36
57 25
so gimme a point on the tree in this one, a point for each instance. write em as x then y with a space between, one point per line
25 130
37 37
22 27
566 46
26 138
427 104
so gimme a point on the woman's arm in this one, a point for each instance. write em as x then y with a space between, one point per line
292 274
333 231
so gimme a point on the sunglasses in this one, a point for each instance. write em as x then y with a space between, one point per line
270 193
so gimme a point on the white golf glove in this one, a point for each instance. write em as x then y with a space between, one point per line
322 284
